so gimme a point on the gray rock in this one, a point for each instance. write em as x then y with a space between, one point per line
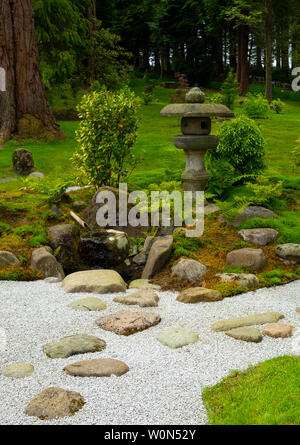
189 269
249 213
78 204
256 319
43 261
142 298
141 258
177 337
159 254
245 334
88 304
243 279
18 370
259 236
248 256
198 294
195 95
210 209
105 248
94 281
101 367
37 175
54 402
74 344
65 238
8 259
7 179
23 163
289 252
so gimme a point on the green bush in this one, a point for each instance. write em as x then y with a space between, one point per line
276 273
217 99
256 106
242 145
277 106
229 90
106 135
147 98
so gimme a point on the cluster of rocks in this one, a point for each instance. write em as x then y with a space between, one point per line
242 328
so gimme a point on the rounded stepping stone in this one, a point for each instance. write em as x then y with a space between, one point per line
18 370
143 283
74 344
245 334
177 337
54 402
142 298
88 304
278 330
102 367
198 294
127 322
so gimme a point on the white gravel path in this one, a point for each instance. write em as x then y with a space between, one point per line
163 385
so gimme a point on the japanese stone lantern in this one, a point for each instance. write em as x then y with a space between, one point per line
196 138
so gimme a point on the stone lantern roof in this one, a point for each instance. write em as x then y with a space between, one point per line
196 110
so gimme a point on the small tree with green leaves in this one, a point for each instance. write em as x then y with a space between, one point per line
106 135
229 90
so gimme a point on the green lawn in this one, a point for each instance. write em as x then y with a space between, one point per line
267 394
159 159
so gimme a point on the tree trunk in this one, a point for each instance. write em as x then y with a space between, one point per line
268 49
243 64
23 106
91 16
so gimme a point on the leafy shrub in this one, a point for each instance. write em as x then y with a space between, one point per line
229 90
147 98
277 106
276 273
256 106
106 135
52 189
242 145
185 246
217 99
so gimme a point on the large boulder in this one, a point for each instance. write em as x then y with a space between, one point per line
198 294
90 214
127 322
43 261
8 259
289 252
259 236
65 238
104 248
54 402
253 258
190 270
249 213
72 345
242 279
94 281
23 163
159 254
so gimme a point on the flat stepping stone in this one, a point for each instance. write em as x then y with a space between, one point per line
177 337
199 294
94 281
142 298
18 370
256 319
74 344
245 334
127 322
278 330
243 279
37 175
102 367
259 236
54 402
143 283
88 304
